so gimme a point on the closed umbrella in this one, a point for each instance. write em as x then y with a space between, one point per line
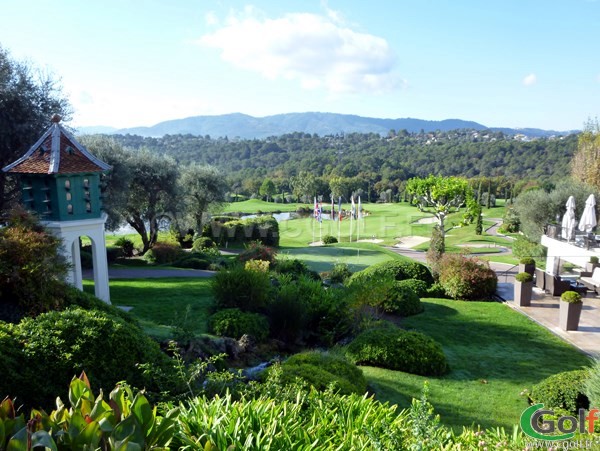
568 222
588 218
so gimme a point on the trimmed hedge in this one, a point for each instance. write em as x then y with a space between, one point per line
419 287
396 269
235 323
163 253
564 390
320 369
397 349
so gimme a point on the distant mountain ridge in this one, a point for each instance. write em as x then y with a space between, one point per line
240 125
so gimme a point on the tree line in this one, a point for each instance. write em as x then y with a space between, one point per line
378 165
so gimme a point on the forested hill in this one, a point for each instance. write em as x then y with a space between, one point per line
466 153
243 126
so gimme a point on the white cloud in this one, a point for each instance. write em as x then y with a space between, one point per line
530 80
317 51
211 18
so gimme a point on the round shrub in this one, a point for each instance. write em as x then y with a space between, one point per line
564 390
396 269
402 300
527 261
163 253
320 369
572 297
417 286
594 260
232 322
329 239
87 260
238 288
113 254
524 277
202 243
397 349
56 346
467 278
258 251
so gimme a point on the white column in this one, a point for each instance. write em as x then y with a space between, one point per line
75 273
100 266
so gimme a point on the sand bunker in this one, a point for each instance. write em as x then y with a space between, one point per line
427 220
408 242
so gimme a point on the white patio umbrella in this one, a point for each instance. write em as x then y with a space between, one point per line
588 218
568 221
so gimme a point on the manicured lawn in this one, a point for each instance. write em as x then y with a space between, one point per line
163 302
494 353
255 205
356 255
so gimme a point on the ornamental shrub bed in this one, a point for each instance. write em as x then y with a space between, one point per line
397 349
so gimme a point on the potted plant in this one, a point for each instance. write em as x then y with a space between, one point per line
570 310
527 264
593 263
523 289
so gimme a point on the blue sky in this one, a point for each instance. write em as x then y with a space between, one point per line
123 63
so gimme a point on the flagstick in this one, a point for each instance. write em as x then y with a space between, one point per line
321 231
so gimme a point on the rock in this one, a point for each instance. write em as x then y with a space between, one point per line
247 343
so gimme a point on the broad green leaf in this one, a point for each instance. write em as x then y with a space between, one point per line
144 413
43 438
18 442
89 437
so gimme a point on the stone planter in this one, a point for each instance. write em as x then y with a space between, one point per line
523 293
589 267
527 268
569 315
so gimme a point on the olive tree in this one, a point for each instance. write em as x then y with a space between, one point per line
439 196
28 98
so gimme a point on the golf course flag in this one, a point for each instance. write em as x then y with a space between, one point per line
340 208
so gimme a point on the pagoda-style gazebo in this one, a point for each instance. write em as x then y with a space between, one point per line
60 181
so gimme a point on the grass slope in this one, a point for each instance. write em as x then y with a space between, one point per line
357 256
494 353
162 303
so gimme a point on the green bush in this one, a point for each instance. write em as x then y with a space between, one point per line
228 229
467 278
527 261
411 352
293 267
201 243
126 246
562 391
31 267
163 253
238 288
572 297
436 291
192 262
594 260
340 273
524 277
320 370
402 300
234 323
417 286
336 365
592 385
397 269
87 260
55 346
329 239
522 247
